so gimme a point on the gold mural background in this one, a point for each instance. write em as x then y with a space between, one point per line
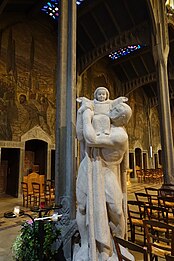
27 80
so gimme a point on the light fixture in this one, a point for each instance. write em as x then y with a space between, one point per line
54 217
16 210
150 151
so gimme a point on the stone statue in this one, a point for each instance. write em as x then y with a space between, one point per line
101 183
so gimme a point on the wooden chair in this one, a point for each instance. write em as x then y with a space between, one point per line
166 192
27 196
49 194
143 197
148 176
168 204
153 192
140 176
160 239
130 246
135 216
38 196
167 185
169 258
153 212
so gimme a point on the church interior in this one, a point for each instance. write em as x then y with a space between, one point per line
51 53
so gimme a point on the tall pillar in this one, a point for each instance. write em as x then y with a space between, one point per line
66 104
65 165
21 168
161 50
48 162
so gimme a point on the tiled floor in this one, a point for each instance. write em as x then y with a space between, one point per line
9 228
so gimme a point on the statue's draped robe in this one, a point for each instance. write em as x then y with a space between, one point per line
100 185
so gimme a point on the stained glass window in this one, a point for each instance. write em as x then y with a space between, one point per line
78 2
124 51
51 8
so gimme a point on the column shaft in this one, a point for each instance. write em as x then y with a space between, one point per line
66 105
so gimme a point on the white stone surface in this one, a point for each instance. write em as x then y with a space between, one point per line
101 183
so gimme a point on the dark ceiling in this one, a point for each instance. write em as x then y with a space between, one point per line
104 26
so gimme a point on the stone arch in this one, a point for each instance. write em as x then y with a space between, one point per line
36 133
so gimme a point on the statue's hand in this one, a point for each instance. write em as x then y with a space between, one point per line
85 104
119 100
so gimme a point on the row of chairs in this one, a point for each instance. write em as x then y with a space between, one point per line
151 215
150 175
157 246
159 197
38 196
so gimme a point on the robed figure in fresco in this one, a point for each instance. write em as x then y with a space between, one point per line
101 182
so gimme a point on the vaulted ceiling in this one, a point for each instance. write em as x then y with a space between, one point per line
105 26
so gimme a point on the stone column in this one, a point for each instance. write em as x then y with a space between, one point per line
65 165
21 168
48 162
160 51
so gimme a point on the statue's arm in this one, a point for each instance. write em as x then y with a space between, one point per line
123 175
88 130
102 141
86 104
92 140
123 169
119 100
79 126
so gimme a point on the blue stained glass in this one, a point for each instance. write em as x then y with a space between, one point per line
51 8
124 51
78 2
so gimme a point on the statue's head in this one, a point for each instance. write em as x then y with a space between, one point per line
101 94
120 114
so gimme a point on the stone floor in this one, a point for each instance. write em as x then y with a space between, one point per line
9 227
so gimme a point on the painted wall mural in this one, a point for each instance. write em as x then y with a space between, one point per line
27 80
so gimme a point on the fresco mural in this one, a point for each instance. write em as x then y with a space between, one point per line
27 80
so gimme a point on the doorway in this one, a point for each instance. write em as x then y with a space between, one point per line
36 156
144 161
11 158
138 158
160 157
156 160
131 164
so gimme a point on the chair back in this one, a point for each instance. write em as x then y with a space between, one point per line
32 177
27 197
156 213
153 192
166 192
130 246
42 182
36 188
143 197
169 258
136 215
160 238
24 188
